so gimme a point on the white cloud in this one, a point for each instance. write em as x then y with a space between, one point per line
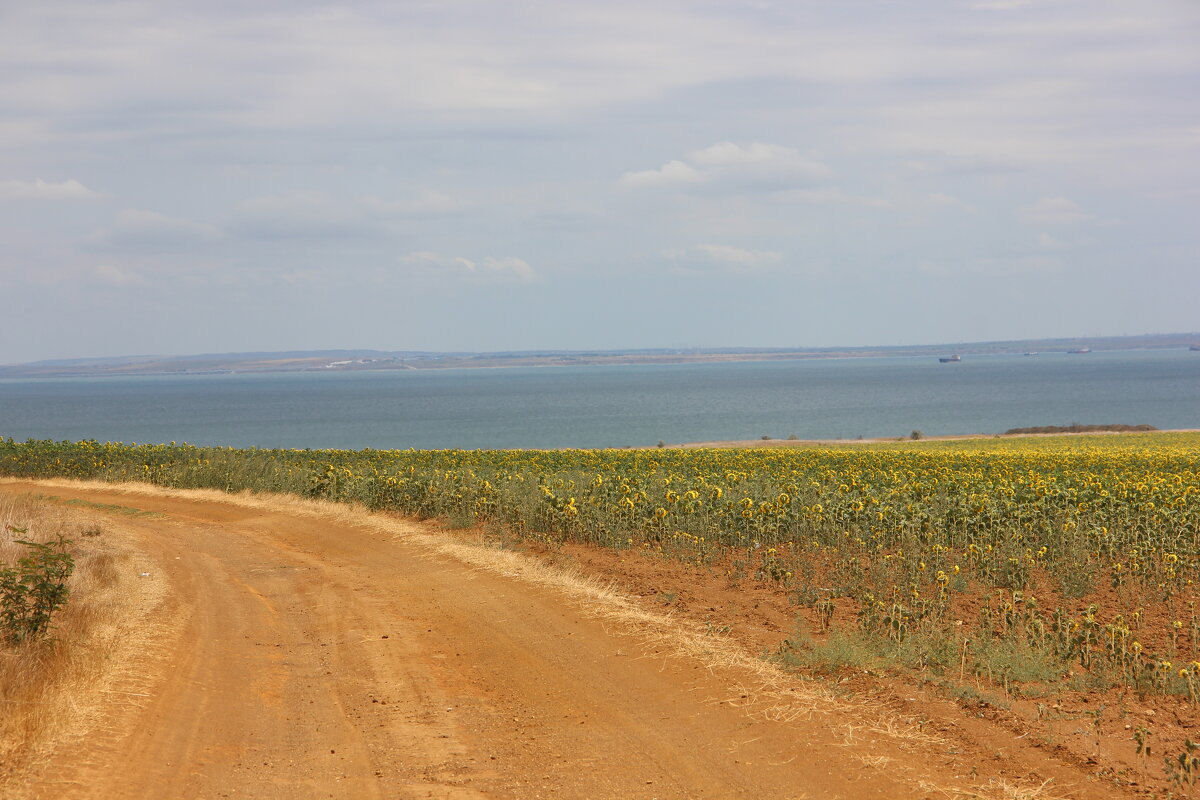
724 154
436 259
723 258
728 165
47 190
509 265
490 268
671 173
1053 211
725 254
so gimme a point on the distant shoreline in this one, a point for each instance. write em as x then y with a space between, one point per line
327 361
776 443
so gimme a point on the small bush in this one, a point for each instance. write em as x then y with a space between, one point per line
460 520
33 590
839 650
1004 661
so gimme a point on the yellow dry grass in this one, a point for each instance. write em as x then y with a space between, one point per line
48 688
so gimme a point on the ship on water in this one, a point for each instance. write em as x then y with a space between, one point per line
954 359
1080 350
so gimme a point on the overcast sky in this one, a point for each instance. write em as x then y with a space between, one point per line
186 177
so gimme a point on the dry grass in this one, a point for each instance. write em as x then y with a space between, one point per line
44 684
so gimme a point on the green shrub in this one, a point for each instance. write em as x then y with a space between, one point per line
33 590
841 649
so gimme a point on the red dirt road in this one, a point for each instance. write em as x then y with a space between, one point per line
301 652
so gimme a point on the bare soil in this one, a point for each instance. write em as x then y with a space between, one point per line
309 650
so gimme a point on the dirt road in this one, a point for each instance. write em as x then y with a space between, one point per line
302 651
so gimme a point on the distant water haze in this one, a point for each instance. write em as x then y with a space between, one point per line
613 406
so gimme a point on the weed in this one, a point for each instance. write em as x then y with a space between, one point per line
33 590
1184 767
738 573
839 650
1141 737
1006 661
460 520
108 507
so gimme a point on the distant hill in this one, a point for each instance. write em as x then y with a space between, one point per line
360 360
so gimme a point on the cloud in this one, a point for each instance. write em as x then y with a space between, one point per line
942 199
509 265
490 268
1015 264
297 215
425 203
671 173
315 214
998 5
971 164
723 258
149 230
830 197
436 259
725 154
1053 211
729 165
725 254
1047 242
116 276
47 190
588 140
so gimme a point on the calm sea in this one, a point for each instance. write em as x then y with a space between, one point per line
613 406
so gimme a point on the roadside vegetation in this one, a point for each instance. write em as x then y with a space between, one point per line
58 583
1018 561
34 588
1077 428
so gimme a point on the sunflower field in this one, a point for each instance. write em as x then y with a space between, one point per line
1075 556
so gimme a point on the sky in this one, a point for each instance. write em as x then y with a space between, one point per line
203 177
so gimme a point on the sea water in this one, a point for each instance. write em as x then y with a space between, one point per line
613 406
